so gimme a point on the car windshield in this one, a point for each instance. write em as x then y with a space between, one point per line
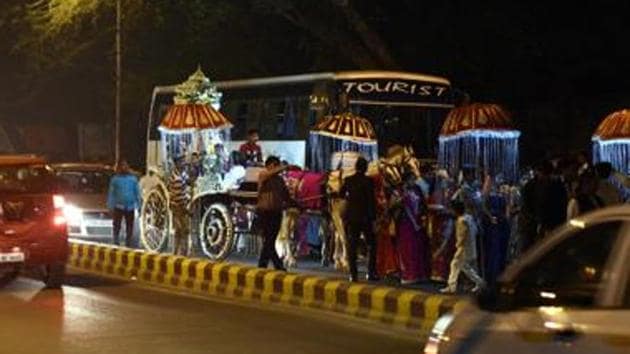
84 182
26 179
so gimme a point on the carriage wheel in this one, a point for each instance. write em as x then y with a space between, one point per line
216 232
154 221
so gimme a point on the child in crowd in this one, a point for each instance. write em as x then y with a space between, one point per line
465 258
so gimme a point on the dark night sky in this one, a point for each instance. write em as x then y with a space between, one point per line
559 66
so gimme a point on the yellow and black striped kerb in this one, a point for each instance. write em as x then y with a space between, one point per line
413 309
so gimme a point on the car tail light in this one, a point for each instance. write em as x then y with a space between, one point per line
59 220
59 217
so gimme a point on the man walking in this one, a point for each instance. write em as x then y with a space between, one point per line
465 258
179 194
273 197
359 217
123 198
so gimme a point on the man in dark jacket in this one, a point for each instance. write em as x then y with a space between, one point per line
359 217
545 200
273 197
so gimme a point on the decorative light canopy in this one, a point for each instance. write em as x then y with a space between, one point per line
182 118
341 132
191 124
478 119
194 110
480 136
346 126
611 141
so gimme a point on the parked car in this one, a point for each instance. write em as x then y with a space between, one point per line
84 187
33 228
569 294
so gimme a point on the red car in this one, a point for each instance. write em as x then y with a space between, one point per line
33 228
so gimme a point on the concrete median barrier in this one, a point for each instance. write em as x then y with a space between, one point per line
412 309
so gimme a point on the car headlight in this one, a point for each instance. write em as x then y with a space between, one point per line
73 214
437 335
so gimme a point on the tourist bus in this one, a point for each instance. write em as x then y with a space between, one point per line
405 108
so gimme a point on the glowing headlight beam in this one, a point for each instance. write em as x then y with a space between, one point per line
73 214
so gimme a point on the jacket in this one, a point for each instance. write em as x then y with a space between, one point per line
358 191
273 195
124 192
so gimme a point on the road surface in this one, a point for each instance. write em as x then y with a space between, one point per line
94 315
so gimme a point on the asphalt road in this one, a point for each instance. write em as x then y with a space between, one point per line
94 315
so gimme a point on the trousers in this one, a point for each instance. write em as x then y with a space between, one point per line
460 264
181 226
129 216
355 229
269 222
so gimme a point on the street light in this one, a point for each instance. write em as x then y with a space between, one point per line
118 81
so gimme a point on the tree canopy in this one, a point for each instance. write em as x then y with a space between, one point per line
533 56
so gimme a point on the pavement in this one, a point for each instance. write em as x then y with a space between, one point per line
397 307
306 265
99 315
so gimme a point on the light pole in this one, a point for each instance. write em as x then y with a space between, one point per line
118 81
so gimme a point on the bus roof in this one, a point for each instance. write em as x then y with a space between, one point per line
315 77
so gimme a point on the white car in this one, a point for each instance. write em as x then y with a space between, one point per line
568 294
84 187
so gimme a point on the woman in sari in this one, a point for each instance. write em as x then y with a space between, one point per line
387 265
413 244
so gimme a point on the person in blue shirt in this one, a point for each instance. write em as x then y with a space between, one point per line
123 199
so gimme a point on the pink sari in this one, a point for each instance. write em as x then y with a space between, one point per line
413 244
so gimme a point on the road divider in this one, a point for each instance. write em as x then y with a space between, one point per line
408 308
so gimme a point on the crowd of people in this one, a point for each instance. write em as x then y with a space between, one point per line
458 230
439 227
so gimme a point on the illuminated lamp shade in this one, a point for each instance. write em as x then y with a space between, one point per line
611 141
347 126
193 123
182 118
341 132
480 136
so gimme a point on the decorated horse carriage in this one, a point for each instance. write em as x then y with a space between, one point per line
222 207
193 130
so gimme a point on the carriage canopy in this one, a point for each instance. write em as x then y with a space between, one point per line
481 136
611 141
341 132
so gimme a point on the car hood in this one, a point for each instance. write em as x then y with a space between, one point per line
87 201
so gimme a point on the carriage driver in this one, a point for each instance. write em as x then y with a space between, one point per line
179 193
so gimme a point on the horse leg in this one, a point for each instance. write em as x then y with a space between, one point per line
291 252
340 257
325 234
282 242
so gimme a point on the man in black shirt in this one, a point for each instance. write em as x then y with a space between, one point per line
359 217
545 200
273 197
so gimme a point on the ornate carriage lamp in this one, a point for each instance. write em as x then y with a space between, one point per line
611 141
479 135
